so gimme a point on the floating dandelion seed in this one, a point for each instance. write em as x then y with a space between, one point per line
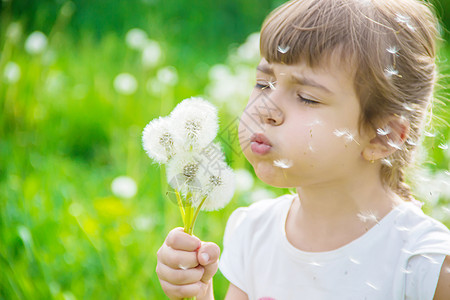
386 162
394 145
447 173
355 261
405 271
346 134
283 49
272 85
381 131
315 263
391 71
411 142
283 163
443 146
407 107
367 217
315 122
431 259
392 49
429 134
371 285
402 228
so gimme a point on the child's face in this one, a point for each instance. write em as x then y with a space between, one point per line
305 121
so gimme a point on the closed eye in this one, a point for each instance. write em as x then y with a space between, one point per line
308 101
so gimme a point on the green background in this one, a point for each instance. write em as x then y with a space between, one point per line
66 133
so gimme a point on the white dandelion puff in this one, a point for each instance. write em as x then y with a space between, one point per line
167 75
244 180
217 187
283 49
283 163
195 122
381 131
11 73
182 173
392 49
443 146
386 162
151 54
367 217
390 71
394 145
136 38
125 84
124 187
36 43
159 141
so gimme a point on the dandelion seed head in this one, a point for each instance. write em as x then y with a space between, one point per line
182 171
11 73
124 187
125 84
190 170
195 123
159 141
136 38
218 187
151 54
36 43
283 163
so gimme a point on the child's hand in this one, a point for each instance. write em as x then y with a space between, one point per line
186 265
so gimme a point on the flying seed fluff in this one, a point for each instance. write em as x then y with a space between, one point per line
380 38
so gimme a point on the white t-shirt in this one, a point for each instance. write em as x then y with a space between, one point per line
399 258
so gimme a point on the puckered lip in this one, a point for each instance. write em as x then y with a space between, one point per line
260 138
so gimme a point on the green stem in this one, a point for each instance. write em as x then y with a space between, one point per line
180 205
197 210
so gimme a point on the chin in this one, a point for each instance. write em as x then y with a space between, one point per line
272 176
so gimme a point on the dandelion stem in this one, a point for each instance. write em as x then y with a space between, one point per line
180 205
197 210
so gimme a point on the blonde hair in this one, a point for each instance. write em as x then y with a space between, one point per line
391 43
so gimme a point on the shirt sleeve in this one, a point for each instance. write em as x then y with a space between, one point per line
232 260
422 275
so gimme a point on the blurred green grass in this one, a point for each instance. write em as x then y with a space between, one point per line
66 133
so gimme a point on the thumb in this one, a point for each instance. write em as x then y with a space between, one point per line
208 257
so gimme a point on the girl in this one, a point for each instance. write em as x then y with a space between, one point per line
340 98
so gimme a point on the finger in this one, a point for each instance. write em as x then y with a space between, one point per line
176 292
208 256
177 276
180 240
177 259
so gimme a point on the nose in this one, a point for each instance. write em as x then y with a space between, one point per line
269 112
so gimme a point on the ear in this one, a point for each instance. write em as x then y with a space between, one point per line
389 138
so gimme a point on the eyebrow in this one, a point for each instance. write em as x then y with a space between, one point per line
302 80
